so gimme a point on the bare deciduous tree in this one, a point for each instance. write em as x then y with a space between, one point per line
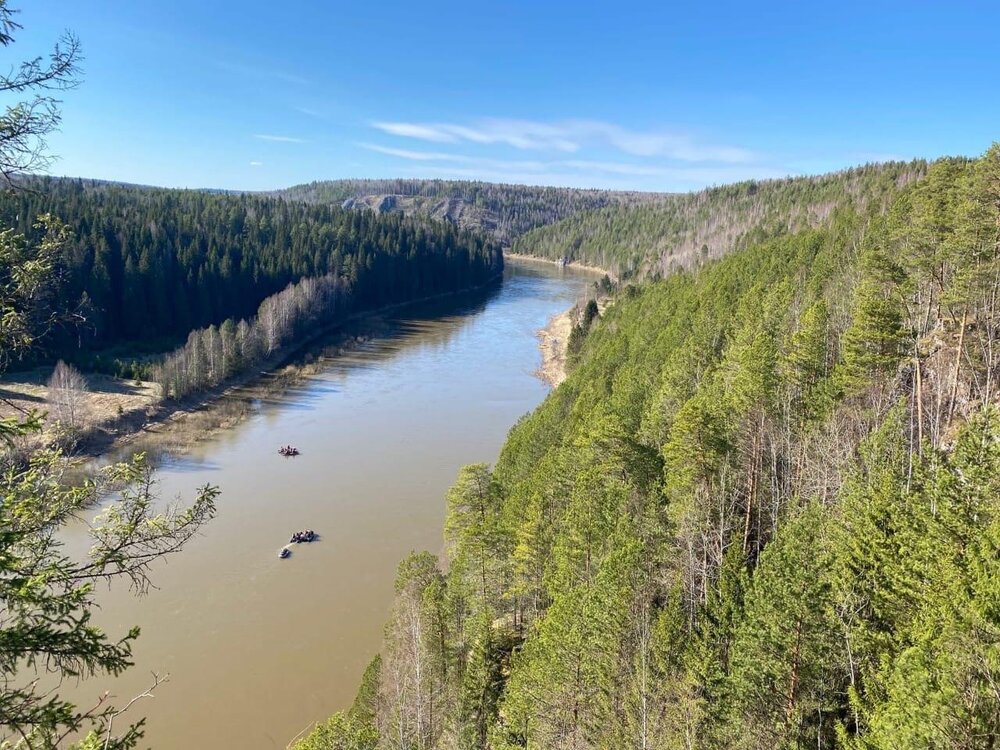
68 395
25 124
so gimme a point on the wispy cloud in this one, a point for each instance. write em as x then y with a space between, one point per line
261 72
403 153
311 112
256 164
436 133
278 138
679 180
475 161
577 172
571 136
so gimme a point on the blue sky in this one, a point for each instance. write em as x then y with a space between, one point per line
650 96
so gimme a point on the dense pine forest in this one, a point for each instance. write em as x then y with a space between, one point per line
147 264
679 231
762 512
502 211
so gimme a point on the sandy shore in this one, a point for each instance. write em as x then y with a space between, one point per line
553 341
117 413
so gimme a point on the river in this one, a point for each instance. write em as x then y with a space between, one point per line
257 648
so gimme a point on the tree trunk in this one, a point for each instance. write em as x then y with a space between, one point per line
958 364
793 682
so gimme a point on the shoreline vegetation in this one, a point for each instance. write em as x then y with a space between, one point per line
174 424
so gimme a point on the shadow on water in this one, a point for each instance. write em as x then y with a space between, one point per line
296 397
370 343
374 341
183 463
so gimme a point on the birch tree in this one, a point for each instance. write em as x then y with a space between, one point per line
67 395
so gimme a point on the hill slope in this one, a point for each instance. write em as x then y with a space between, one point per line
761 512
503 211
679 231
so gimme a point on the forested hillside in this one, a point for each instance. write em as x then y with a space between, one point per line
682 230
504 211
762 512
150 263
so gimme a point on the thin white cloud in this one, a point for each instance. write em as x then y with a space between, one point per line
256 164
404 153
681 180
519 134
277 138
570 136
261 72
669 145
613 167
429 156
435 133
578 172
310 112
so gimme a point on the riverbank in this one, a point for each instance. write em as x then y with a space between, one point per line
178 424
576 266
125 414
553 339
553 342
116 414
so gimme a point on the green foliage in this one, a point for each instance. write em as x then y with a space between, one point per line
145 263
29 286
785 675
474 536
807 361
48 597
762 510
919 577
654 238
876 339
354 729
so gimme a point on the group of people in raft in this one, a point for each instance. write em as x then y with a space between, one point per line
299 536
303 536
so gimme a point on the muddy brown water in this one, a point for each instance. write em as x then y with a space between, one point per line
258 649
